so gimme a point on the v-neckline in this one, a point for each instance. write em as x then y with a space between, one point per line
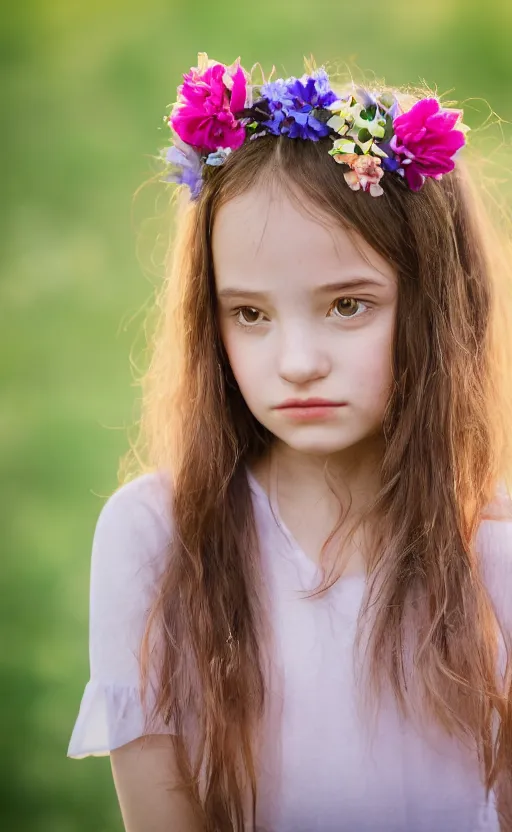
313 570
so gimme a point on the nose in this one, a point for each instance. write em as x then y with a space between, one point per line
301 356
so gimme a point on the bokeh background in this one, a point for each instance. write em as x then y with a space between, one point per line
86 85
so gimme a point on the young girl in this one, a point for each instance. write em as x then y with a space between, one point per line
301 609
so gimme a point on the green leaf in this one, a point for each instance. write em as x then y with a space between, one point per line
369 113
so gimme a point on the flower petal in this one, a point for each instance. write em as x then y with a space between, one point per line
414 178
238 92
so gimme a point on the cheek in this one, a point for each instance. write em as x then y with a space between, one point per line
370 370
379 383
243 360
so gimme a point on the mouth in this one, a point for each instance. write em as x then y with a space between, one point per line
309 409
306 403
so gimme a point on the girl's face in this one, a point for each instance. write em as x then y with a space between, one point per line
303 315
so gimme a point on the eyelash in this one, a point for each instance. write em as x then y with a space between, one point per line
246 325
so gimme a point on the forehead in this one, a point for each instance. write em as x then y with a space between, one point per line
264 236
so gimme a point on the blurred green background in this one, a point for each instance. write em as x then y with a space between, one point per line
86 86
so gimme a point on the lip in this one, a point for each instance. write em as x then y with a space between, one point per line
309 410
303 404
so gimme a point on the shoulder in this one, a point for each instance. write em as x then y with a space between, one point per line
130 547
494 546
137 517
147 494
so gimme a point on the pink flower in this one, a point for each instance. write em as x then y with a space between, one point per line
365 172
425 137
204 114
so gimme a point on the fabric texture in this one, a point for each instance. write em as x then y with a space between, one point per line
322 765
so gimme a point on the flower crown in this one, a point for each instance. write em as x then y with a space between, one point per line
218 109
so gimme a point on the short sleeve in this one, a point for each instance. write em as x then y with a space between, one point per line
129 550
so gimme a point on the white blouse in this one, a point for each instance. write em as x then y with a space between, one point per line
321 768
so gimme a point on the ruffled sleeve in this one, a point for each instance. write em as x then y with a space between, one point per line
129 551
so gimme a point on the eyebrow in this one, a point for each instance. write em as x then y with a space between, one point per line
352 283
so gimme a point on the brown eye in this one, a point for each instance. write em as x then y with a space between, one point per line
345 307
249 314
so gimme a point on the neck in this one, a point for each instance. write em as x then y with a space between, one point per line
303 479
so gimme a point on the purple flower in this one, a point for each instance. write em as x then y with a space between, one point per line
365 97
301 124
390 163
188 167
426 141
385 101
291 104
312 90
277 94
322 84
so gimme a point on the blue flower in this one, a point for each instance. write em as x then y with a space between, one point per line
390 162
313 90
365 97
188 167
322 83
277 94
219 157
274 125
291 104
385 101
303 125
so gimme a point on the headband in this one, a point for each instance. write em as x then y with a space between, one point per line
218 109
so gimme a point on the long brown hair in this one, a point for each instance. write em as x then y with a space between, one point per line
446 431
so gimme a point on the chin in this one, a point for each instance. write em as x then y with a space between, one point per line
319 445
